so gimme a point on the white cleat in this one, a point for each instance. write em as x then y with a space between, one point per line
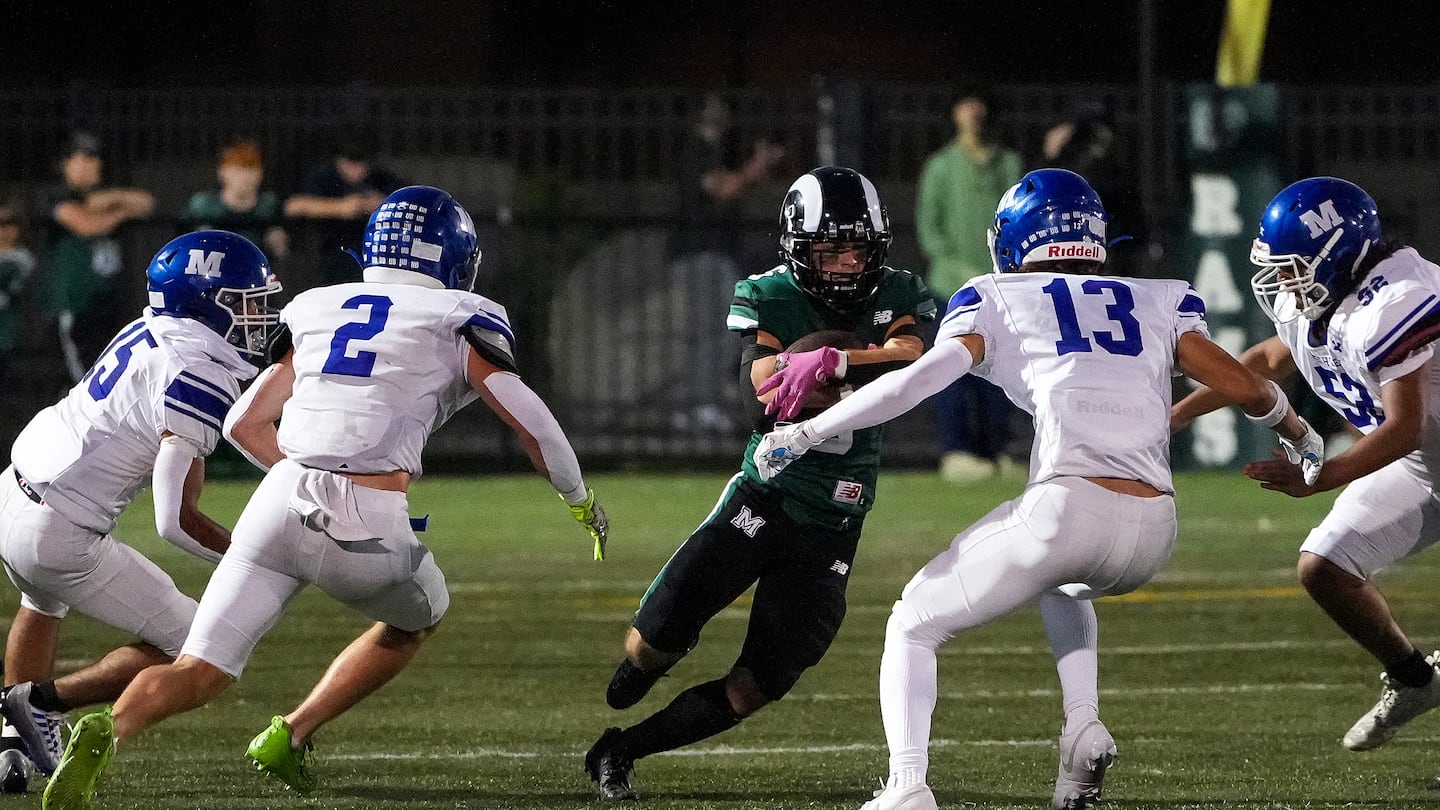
915 797
1085 755
39 730
1399 704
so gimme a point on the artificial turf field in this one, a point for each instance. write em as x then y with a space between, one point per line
1223 684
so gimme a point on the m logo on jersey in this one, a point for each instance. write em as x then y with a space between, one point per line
1322 219
747 522
884 316
204 263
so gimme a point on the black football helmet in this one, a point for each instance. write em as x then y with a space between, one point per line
833 204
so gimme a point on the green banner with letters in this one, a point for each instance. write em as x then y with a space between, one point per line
1232 161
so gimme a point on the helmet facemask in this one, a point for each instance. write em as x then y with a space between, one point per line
243 317
1289 285
820 268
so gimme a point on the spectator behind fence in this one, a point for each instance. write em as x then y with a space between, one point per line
82 257
1084 144
17 264
713 182
340 195
956 206
240 204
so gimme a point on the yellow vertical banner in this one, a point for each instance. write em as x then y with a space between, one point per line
1242 43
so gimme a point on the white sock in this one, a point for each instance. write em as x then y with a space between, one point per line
908 683
1075 641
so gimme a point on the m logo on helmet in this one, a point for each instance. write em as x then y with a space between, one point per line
1322 219
204 263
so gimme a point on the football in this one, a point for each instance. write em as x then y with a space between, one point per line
829 393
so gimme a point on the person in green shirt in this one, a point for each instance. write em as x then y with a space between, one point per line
240 204
794 539
954 210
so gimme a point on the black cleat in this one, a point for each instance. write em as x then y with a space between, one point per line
610 770
631 683
15 770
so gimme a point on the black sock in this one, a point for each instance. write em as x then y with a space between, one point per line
44 698
631 683
698 712
1413 671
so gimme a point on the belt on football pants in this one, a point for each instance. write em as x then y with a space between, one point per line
27 489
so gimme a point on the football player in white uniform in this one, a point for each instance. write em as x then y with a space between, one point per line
1091 358
1357 317
152 406
375 366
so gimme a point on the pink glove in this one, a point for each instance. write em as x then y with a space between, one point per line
796 377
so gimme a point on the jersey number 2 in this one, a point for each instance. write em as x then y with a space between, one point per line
1074 340
363 363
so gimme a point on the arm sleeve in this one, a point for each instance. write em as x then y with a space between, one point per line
172 465
896 392
533 417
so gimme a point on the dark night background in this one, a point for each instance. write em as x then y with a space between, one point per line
741 43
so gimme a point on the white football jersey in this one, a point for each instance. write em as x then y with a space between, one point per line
1381 331
89 453
1090 358
377 368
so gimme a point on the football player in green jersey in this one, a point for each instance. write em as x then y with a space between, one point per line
796 535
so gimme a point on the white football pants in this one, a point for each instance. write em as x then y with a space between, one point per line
1062 543
58 565
312 526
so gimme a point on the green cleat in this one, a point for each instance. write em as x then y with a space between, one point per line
272 752
91 744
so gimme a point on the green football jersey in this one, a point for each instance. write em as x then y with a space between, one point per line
835 482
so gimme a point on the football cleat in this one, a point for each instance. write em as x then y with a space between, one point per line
15 770
915 797
1085 755
273 752
39 730
609 769
91 745
1398 705
631 683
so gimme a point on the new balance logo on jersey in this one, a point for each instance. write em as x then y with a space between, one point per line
847 492
884 316
747 522
204 263
840 567
1322 219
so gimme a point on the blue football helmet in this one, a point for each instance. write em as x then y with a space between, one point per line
834 205
1050 215
423 229
1313 237
220 279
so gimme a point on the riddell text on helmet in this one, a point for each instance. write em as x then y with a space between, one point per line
1073 251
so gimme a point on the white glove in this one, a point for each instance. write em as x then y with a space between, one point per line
1308 451
781 446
